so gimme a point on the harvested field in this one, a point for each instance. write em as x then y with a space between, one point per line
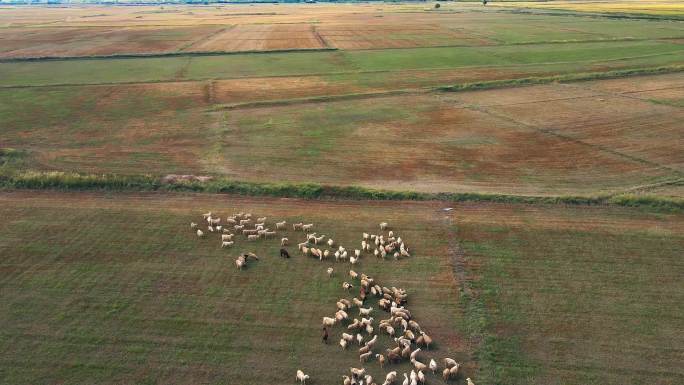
137 290
89 41
472 141
261 38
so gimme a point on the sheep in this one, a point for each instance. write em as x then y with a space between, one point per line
231 221
250 232
446 374
354 325
353 260
409 334
421 377
347 337
330 271
240 263
318 239
365 349
414 354
453 372
363 311
300 246
214 222
239 227
390 331
372 341
200 233
269 234
433 365
284 241
470 382
381 359
340 305
369 379
244 221
406 351
341 249
353 274
207 215
219 228
307 227
252 237
357 302
404 253
418 365
364 357
302 377
390 378
365 236
449 363
406 380
281 225
346 380
227 244
297 226
359 338
305 250
326 254
226 237
329 322
357 372
331 243
343 343
343 256
383 225
210 229
425 340
261 220
337 256
369 329
193 225
414 326
341 315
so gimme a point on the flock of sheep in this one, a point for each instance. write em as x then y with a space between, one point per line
400 326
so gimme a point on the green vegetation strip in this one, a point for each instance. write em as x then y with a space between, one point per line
566 78
111 182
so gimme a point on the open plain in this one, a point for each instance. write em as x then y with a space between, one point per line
529 154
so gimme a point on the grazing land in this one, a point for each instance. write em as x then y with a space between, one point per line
583 138
570 112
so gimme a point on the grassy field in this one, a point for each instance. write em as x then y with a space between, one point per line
135 297
568 114
575 296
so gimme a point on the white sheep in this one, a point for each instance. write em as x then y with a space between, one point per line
359 338
252 237
365 236
193 225
210 228
365 311
329 322
364 357
226 237
353 274
432 365
284 241
353 260
200 233
244 221
281 225
326 254
317 240
302 377
357 253
343 343
331 243
330 271
226 231
470 382
449 363
269 234
383 225
240 263
421 377
261 220
297 226
227 244
347 286
307 227
390 378
207 215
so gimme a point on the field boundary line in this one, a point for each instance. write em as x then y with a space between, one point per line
205 37
73 181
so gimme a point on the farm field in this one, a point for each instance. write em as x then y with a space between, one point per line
135 297
611 135
529 154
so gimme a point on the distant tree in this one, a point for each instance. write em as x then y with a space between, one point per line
437 5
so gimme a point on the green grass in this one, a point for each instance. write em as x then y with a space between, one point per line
557 303
136 297
88 71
